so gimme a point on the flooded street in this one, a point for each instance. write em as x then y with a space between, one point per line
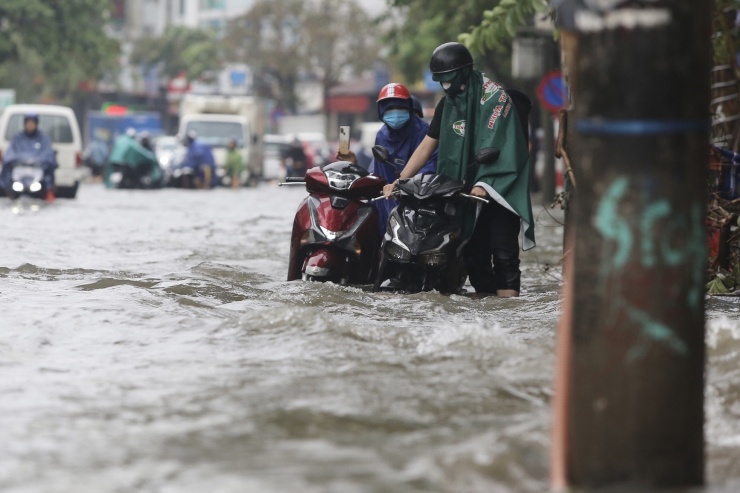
150 343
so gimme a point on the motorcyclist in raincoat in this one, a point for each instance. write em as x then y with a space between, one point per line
140 164
401 135
476 113
30 144
199 158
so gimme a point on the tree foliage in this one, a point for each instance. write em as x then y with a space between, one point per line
725 36
419 26
64 43
193 52
285 41
499 24
267 38
340 38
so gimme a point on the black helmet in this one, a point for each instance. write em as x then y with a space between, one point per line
450 57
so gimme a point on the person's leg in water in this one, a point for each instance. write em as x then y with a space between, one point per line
492 255
207 177
477 255
49 182
504 241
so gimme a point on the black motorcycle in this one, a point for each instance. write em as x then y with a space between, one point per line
127 176
426 233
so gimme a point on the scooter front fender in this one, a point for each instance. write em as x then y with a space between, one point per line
323 263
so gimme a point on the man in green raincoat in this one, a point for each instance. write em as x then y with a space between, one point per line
127 152
475 114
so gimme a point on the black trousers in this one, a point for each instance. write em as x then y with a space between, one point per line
492 255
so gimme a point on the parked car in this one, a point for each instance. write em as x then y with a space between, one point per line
60 124
276 147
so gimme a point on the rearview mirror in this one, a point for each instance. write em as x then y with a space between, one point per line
488 155
381 154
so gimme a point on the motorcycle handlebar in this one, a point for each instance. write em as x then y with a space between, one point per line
381 197
295 179
465 195
473 197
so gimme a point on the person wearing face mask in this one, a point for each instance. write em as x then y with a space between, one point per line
402 133
477 113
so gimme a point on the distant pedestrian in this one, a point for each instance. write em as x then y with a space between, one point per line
234 164
295 159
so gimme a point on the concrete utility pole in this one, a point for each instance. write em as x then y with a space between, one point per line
630 385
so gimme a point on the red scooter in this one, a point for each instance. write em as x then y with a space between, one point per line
335 232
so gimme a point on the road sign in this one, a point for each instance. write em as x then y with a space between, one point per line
552 92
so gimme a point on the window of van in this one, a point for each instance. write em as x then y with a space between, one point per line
56 127
217 134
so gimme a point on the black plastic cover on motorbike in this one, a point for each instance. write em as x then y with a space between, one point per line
345 167
430 185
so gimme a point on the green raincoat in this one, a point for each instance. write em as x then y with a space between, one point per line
484 116
129 152
234 162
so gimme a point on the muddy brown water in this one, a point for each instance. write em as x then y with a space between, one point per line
149 343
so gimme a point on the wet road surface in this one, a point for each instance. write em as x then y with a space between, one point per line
149 343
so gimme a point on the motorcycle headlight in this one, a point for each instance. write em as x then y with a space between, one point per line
18 187
35 187
340 181
398 253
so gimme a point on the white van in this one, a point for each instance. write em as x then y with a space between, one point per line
60 124
217 130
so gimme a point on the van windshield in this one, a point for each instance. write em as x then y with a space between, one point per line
57 127
217 134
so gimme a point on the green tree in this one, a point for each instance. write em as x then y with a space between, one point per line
419 26
340 38
499 24
194 52
57 44
286 40
268 38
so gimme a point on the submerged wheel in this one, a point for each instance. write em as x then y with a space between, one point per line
381 271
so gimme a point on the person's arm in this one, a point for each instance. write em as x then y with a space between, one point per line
420 157
417 161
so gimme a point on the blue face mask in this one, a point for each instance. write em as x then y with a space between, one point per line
396 118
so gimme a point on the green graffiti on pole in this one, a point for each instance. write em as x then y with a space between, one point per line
612 226
653 213
681 242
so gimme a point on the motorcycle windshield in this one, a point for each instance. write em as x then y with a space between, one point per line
341 175
429 186
27 172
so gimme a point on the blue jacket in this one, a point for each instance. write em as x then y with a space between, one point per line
401 144
200 155
34 147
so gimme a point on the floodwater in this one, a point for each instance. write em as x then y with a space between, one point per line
149 343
